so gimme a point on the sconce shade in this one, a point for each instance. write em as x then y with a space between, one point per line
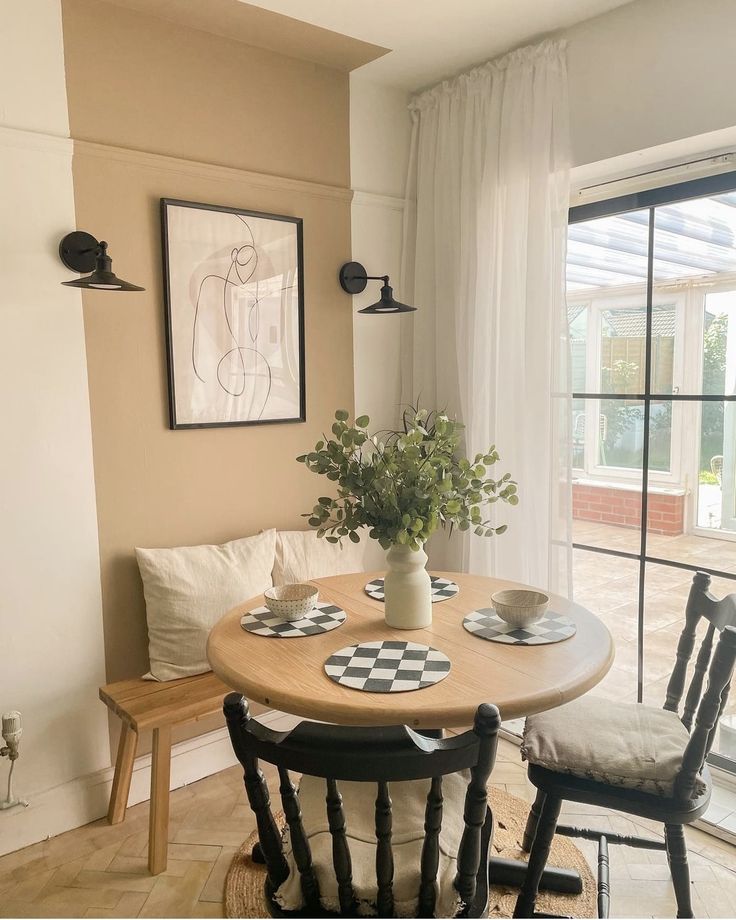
354 279
80 252
387 304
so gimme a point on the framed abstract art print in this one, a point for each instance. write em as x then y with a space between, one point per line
234 300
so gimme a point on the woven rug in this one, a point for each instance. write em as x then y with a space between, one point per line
244 884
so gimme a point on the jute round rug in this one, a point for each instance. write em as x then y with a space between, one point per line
244 884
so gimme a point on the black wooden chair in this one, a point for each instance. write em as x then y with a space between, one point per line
684 785
380 756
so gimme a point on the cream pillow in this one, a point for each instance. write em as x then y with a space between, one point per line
409 804
188 589
301 555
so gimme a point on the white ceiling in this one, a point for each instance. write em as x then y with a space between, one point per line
434 39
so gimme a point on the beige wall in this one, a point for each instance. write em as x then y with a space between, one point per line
143 83
380 130
205 100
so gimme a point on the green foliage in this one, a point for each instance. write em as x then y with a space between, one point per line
714 381
405 484
621 377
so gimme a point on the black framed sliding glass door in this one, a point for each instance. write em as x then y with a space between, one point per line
651 285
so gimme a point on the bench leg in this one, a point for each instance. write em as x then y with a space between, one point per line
123 773
158 825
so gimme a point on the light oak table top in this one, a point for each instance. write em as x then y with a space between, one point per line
288 674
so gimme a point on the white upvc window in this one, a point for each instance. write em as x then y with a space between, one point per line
608 434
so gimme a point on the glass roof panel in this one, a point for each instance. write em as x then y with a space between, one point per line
692 239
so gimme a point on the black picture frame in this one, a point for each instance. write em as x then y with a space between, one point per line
171 320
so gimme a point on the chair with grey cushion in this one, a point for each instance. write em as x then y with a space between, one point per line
384 821
634 758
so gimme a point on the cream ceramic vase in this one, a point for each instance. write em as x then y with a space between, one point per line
407 589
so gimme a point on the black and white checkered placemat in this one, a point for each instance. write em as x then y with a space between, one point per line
553 627
387 667
322 619
442 589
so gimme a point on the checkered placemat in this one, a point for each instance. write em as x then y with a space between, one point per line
553 627
322 619
387 667
442 588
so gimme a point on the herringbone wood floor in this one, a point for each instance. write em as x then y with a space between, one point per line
100 871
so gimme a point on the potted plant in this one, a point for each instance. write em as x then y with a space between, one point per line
403 486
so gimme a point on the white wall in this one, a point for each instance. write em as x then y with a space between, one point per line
50 612
651 72
32 86
380 130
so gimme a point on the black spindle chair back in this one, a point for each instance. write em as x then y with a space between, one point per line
701 709
373 755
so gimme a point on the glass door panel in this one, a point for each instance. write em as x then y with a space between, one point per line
609 586
652 313
666 594
607 252
607 503
665 598
715 500
718 349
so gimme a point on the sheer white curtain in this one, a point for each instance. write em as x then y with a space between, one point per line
484 259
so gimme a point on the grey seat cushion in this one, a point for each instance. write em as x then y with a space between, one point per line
621 744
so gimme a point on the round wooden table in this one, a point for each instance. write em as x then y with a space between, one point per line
288 674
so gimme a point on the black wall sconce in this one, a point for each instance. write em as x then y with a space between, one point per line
354 280
81 252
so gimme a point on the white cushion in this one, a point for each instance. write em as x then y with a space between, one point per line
409 800
188 589
301 556
621 744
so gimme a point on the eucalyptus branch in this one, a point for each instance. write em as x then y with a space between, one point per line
405 484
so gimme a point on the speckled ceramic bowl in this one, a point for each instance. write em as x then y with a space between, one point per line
519 607
291 602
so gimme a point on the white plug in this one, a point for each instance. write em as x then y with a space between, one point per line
12 730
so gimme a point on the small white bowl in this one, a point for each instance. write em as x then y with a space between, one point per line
291 602
519 607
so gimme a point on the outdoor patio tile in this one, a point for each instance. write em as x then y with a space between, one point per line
622 622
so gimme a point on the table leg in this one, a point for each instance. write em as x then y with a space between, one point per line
511 872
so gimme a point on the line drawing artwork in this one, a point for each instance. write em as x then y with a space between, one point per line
234 316
243 265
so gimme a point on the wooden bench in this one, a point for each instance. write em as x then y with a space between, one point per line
147 705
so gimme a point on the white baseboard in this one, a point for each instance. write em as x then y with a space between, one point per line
86 798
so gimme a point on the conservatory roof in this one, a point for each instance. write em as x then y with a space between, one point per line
691 239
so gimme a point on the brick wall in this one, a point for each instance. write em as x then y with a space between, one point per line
609 505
